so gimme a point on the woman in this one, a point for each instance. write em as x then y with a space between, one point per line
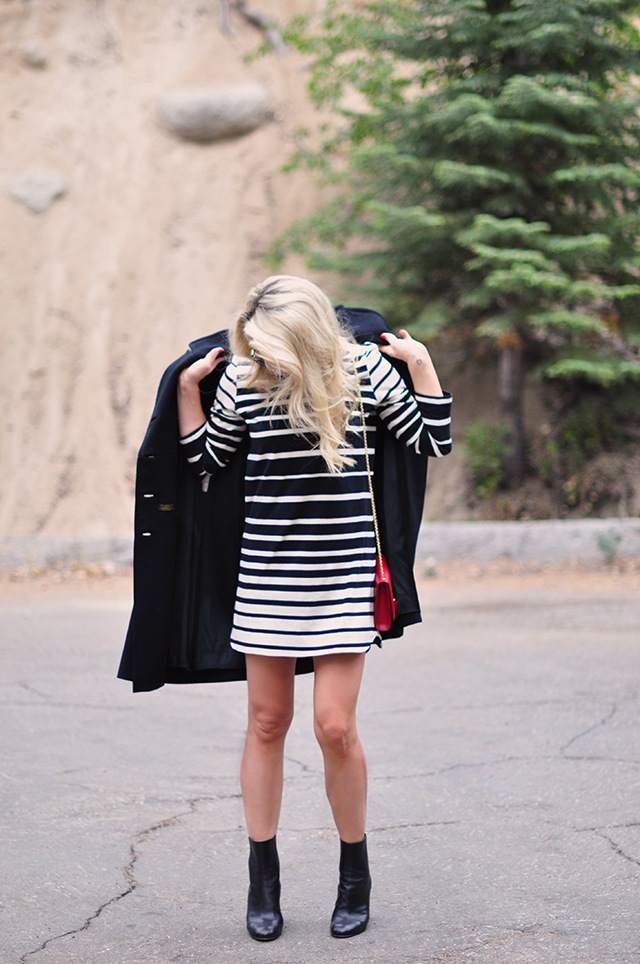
295 383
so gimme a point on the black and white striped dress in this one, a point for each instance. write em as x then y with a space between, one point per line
307 561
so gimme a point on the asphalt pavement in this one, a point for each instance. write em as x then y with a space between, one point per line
504 820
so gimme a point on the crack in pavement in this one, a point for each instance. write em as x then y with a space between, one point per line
32 689
617 849
601 759
612 826
457 766
127 872
436 708
47 699
330 828
411 826
68 706
303 766
603 722
406 709
510 703
391 778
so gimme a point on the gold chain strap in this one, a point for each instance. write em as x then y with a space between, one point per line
373 501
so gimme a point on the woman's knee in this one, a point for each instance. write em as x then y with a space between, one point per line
270 725
335 733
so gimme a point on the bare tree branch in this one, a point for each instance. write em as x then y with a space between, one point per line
225 21
265 23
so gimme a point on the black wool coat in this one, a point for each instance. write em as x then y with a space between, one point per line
187 541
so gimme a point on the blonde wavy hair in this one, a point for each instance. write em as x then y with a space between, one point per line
302 357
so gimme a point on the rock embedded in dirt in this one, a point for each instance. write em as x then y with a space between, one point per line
211 113
36 189
33 55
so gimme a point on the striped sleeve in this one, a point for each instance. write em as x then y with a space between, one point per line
422 422
211 446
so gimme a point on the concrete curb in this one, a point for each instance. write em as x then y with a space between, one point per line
41 550
551 540
543 541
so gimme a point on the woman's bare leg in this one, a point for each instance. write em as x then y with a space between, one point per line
270 680
337 684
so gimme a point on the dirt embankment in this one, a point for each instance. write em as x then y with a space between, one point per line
154 244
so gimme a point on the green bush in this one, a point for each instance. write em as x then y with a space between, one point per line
544 458
587 430
485 449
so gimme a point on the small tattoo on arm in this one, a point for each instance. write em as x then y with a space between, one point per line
418 361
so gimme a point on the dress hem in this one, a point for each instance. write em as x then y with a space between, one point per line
296 653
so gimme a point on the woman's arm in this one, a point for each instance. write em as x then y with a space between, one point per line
190 413
421 368
209 442
423 421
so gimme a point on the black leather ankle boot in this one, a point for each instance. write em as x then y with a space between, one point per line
264 920
351 913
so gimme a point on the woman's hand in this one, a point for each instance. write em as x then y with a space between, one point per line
407 349
194 374
190 413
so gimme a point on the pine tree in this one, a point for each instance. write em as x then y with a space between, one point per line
486 162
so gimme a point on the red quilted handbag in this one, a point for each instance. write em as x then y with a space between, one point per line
385 606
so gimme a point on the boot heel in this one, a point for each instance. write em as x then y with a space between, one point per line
264 918
351 913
